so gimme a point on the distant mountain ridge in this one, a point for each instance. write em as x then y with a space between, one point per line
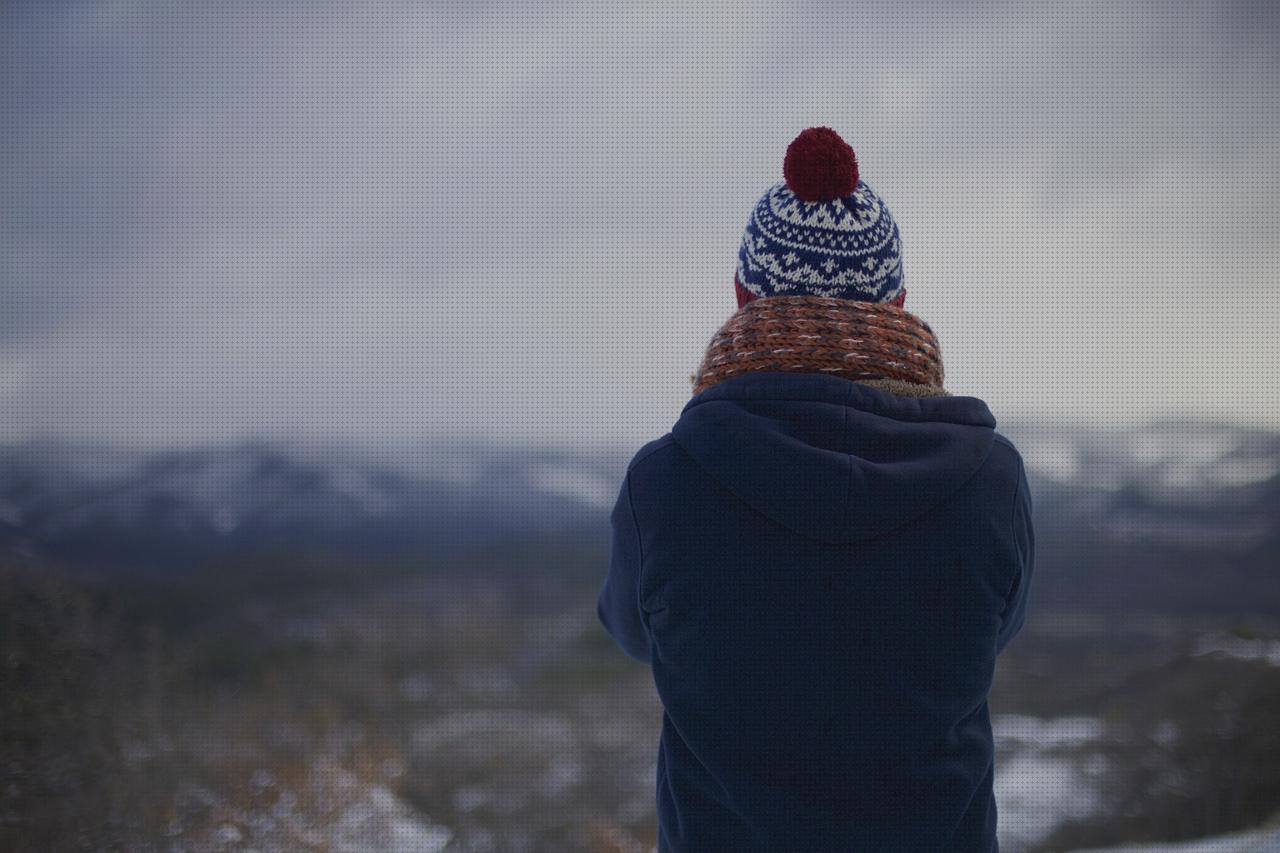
1196 483
109 506
1172 516
1172 510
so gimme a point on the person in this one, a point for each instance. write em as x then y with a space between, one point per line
823 557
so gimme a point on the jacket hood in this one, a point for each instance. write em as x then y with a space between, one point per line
831 458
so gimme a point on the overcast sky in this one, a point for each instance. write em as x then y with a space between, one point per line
396 221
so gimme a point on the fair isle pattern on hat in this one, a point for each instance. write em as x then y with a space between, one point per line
805 237
848 248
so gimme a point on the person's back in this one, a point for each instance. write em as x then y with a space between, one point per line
821 561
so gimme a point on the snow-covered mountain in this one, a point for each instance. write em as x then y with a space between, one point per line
132 506
1134 511
1198 484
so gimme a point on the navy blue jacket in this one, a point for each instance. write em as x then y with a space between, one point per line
821 574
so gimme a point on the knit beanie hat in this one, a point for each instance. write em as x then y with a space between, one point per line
821 232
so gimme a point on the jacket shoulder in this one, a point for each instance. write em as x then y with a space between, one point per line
649 448
1001 438
1007 454
1003 478
1014 472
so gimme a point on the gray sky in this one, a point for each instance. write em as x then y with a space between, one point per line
395 221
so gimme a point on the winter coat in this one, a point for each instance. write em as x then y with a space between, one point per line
821 574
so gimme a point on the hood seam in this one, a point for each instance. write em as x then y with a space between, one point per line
848 457
721 484
803 534
727 476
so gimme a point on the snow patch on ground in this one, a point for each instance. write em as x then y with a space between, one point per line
1239 647
1253 841
1047 774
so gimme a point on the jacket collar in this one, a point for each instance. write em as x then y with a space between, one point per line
837 390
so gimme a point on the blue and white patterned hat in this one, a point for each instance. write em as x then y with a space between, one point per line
821 232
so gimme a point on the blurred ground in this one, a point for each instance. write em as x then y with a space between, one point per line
278 705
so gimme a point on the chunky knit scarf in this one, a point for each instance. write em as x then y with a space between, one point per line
878 343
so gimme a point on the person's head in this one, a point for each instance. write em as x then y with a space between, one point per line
820 232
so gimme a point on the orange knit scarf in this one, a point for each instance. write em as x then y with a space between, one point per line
875 341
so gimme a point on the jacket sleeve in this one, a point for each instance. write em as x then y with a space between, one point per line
618 604
1024 539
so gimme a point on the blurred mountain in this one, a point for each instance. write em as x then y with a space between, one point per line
107 506
1174 514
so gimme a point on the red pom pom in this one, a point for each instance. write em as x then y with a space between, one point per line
820 166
